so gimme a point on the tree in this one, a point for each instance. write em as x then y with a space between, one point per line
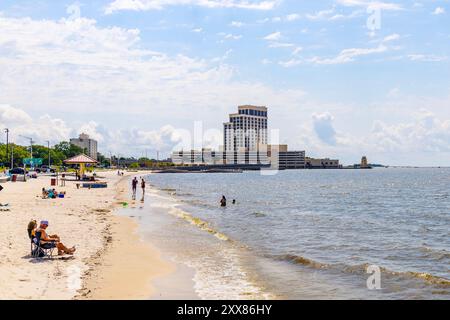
135 165
20 152
68 149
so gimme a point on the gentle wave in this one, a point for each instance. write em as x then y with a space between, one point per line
362 268
201 224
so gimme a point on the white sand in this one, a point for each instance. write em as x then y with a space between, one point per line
110 262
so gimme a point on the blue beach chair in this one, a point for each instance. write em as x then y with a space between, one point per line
39 250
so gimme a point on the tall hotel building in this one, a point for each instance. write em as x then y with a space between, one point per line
246 130
86 143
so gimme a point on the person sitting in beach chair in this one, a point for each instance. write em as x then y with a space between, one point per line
36 250
48 242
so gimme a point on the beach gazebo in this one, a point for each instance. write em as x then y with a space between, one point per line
82 160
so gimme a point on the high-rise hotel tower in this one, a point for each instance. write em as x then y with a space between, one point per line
246 130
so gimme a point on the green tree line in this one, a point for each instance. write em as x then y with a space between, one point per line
58 153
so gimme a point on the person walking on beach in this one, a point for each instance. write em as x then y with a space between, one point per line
223 202
134 184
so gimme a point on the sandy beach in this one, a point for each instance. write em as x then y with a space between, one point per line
111 261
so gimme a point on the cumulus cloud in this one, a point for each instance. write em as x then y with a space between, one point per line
77 68
438 11
427 133
323 127
45 127
41 129
423 140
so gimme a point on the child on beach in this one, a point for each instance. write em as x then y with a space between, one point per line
44 194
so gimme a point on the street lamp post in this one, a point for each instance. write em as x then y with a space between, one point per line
12 156
31 149
7 144
48 146
110 160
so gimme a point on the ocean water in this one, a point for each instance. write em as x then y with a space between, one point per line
306 234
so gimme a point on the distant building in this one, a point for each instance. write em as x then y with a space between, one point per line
246 129
267 155
84 142
364 163
312 163
291 160
245 145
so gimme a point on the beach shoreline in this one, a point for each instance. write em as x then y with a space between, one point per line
111 262
126 266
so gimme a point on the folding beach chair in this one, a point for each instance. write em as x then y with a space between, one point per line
39 250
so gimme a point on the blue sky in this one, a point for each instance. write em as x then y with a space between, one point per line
341 78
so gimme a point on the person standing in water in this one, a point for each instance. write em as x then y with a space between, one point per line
143 189
134 184
223 202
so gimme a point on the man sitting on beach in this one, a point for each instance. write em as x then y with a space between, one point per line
52 241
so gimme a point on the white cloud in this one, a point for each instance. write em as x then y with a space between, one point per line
427 133
93 129
145 5
197 30
297 50
233 36
237 24
45 128
345 56
426 57
293 17
320 14
281 45
349 55
438 11
230 36
103 74
290 63
273 36
323 127
423 140
391 37
40 128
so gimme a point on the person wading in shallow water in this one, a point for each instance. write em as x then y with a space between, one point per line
134 184
143 189
223 202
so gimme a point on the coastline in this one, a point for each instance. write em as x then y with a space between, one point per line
126 266
111 261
